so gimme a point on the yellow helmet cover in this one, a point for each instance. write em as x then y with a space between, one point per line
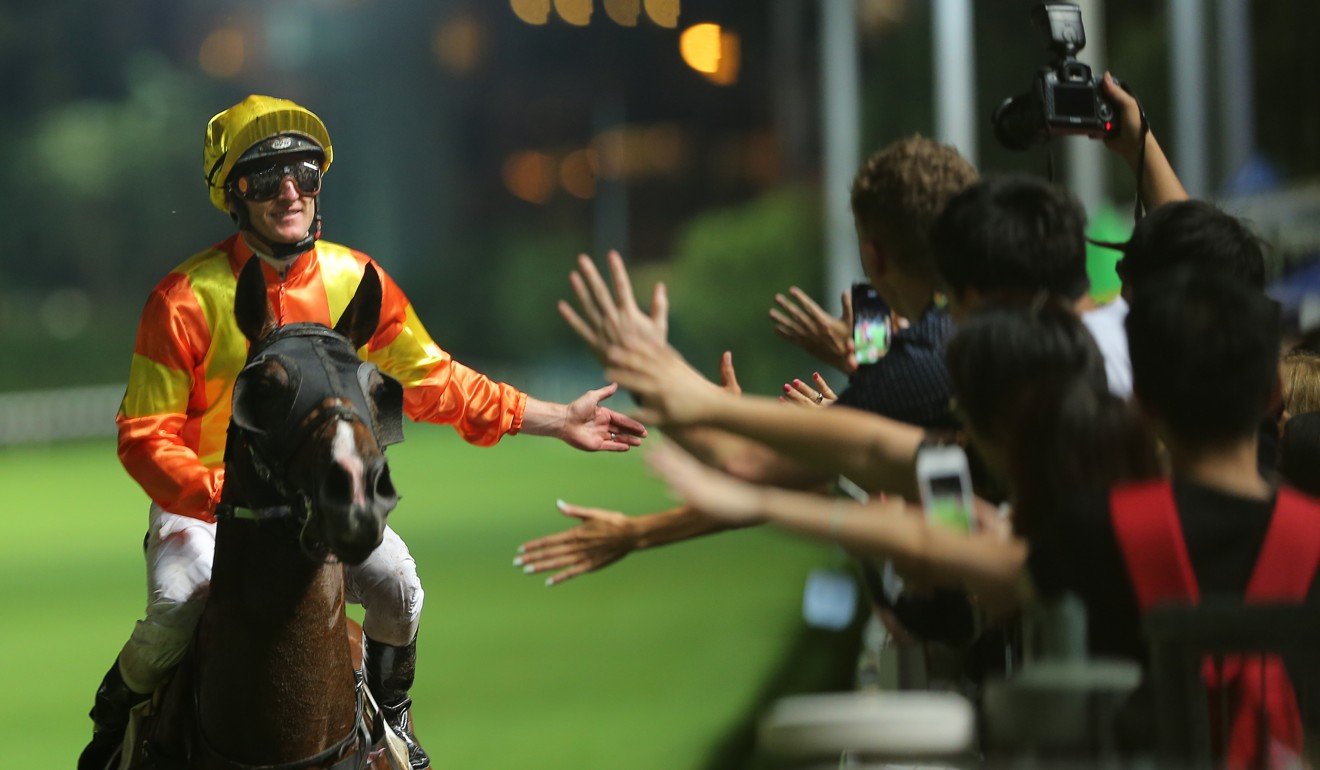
231 133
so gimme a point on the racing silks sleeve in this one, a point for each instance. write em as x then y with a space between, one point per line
154 428
436 387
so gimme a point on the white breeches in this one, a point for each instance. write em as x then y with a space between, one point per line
179 552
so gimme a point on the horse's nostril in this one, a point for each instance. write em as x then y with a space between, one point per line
338 484
384 485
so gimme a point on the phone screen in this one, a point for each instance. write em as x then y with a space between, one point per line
872 324
945 504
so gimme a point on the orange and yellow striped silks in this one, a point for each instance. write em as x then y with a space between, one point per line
189 350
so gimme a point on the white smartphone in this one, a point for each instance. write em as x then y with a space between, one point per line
945 482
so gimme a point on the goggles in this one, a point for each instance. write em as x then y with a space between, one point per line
263 184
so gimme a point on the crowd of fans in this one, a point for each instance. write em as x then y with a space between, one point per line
1169 431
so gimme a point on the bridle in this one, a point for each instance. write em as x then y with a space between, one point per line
321 359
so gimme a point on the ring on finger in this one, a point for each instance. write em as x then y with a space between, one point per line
613 436
820 398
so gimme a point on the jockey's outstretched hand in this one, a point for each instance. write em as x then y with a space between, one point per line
592 428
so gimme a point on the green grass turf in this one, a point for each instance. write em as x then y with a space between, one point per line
646 665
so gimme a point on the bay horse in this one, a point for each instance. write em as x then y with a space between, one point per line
272 682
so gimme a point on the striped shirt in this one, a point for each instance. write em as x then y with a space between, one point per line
189 350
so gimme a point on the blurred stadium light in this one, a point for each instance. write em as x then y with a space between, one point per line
535 12
624 12
575 12
222 53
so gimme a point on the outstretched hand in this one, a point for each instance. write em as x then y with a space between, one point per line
591 427
805 324
799 392
611 319
716 494
599 539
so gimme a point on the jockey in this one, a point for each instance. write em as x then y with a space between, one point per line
264 159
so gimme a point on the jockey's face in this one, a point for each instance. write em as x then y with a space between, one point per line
287 217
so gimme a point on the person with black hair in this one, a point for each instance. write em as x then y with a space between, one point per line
1204 385
1013 237
1191 232
1010 237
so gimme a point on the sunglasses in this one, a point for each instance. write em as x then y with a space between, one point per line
264 184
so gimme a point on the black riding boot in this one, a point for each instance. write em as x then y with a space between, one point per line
109 714
390 673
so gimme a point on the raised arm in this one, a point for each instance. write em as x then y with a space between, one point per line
805 324
1159 183
875 452
989 565
871 451
603 537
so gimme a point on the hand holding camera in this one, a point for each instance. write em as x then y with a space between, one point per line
1126 138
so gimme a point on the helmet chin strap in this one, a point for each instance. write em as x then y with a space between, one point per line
279 252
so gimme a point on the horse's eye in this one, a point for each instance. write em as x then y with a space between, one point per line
263 395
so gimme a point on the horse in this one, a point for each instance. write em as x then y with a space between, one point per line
273 681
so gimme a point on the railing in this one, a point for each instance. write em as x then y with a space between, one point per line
64 414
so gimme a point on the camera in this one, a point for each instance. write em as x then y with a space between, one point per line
1065 97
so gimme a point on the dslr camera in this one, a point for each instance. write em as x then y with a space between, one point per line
1065 96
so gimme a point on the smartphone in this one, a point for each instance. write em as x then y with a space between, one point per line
945 482
872 324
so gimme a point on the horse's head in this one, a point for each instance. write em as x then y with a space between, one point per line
311 420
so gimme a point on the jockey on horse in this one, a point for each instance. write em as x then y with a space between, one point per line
263 160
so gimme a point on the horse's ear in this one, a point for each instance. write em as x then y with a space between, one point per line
251 307
362 316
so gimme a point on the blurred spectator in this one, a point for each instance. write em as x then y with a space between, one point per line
1032 389
1205 386
896 197
1299 453
1300 376
1191 232
1014 237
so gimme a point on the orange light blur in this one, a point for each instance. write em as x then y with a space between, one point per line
700 47
530 175
664 148
664 13
578 173
222 53
712 51
458 44
726 74
536 12
634 152
575 12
